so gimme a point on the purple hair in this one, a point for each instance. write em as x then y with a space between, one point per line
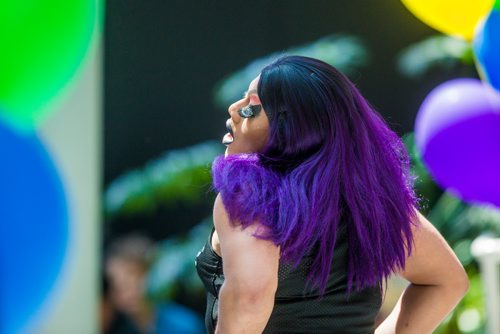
330 159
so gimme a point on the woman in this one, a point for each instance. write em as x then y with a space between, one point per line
315 211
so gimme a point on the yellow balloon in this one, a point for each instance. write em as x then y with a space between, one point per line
453 17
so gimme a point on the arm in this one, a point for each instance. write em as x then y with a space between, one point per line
437 283
246 298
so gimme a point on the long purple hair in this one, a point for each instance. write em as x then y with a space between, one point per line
330 159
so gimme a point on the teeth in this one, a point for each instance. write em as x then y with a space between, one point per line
228 139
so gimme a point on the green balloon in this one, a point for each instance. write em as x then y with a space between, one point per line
42 43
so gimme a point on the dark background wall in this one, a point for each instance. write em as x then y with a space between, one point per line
163 58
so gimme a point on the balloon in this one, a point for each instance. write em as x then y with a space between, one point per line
486 47
41 46
457 131
453 17
34 228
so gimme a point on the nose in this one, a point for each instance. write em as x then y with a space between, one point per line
233 112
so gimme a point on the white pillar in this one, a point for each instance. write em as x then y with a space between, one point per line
487 251
73 135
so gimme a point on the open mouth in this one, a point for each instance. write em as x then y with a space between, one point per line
228 137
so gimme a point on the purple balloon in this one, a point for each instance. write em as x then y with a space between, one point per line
457 131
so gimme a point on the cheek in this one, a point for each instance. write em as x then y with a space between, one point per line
256 132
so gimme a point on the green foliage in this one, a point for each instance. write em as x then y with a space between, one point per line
347 53
435 51
181 175
425 186
173 270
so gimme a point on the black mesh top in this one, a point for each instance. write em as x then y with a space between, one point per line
296 310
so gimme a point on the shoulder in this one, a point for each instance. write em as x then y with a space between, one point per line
243 253
227 228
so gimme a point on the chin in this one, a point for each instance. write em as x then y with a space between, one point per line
235 149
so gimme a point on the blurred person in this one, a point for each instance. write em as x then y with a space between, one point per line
315 211
113 320
127 264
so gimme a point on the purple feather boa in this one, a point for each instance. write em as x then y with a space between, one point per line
249 191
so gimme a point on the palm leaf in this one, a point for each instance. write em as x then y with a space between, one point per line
181 175
173 269
435 51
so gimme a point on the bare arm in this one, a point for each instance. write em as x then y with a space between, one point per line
438 283
246 298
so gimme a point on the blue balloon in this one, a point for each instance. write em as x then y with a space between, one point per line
486 47
34 228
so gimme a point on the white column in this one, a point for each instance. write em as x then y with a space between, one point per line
73 135
487 251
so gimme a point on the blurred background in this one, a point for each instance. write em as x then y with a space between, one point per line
112 112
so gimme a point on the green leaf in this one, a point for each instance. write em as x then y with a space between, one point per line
173 268
181 175
436 51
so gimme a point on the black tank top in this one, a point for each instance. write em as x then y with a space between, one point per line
296 310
